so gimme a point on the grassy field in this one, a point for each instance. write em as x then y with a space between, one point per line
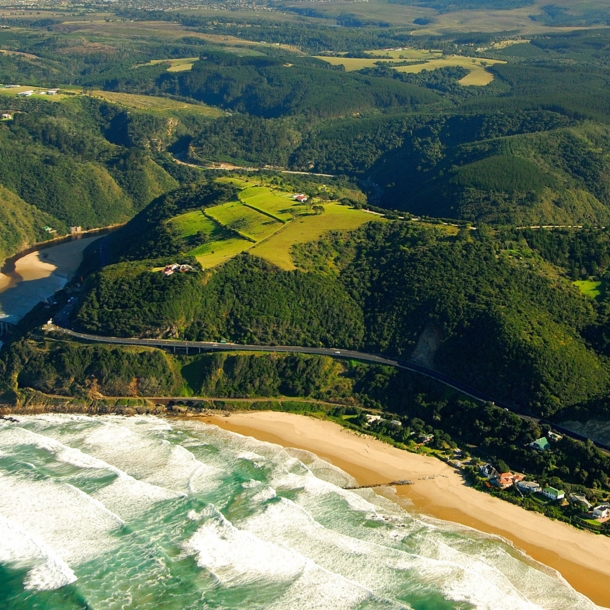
276 203
590 288
175 65
217 252
302 229
248 222
262 236
50 98
192 223
478 75
151 103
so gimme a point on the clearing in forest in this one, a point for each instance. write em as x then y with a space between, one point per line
423 60
302 229
266 221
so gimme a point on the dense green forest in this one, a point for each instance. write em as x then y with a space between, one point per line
531 338
67 162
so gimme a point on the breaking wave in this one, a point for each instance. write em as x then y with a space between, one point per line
184 515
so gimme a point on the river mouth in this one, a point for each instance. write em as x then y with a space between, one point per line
35 275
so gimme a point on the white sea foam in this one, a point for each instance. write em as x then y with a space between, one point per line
47 571
238 557
65 519
308 552
125 495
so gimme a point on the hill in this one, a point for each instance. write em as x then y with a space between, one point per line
83 161
484 308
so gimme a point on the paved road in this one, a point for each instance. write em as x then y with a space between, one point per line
208 346
199 346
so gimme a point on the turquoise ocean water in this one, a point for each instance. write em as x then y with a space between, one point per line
122 513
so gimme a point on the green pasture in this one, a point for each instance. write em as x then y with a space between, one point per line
217 252
277 203
246 221
302 229
192 223
175 65
591 288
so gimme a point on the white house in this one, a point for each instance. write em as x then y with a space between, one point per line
554 494
601 512
529 486
26 93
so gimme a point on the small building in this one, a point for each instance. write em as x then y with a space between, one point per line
581 500
488 471
601 512
554 494
504 481
529 486
52 92
553 436
372 418
170 269
300 197
7 116
542 444
26 93
74 230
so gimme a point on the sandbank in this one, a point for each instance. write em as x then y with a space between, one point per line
582 558
38 275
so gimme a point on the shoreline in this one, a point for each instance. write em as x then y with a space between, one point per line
581 557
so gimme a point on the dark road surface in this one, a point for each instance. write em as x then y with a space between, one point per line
193 347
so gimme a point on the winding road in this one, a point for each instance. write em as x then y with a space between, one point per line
193 347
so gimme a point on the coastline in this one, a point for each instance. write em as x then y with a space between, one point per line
581 557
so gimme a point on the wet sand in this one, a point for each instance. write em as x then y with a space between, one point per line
38 275
582 558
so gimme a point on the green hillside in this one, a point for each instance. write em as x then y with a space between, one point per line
21 224
501 318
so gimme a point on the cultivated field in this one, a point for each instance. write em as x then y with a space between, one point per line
193 223
262 235
246 221
217 252
302 229
432 60
183 64
280 205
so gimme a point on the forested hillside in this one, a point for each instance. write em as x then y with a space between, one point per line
81 161
492 314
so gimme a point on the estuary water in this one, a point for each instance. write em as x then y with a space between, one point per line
141 512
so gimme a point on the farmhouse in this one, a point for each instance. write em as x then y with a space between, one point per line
554 494
26 93
300 197
7 116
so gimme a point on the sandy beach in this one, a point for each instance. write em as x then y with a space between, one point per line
38 275
582 558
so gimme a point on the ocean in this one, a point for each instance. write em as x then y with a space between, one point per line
141 512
